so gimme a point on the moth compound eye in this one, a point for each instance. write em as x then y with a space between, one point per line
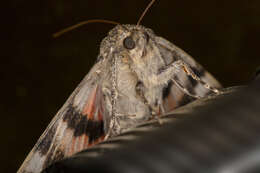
129 43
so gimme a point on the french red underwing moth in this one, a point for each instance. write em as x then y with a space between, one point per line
138 75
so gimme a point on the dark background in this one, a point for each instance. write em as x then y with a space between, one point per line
39 72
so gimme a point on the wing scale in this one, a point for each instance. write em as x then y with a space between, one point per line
78 125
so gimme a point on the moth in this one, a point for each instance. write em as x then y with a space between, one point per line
138 76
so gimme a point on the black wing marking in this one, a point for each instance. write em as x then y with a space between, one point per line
173 96
78 124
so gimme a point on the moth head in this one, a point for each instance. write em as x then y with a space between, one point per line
138 48
136 42
127 39
133 45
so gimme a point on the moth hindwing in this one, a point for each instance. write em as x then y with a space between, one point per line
137 75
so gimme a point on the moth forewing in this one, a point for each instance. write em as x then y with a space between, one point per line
184 88
174 53
71 129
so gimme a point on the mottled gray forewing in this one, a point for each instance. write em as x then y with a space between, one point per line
173 96
78 124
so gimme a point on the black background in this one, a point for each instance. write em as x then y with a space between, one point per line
39 72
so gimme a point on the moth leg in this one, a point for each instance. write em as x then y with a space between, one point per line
170 72
113 128
184 89
111 97
189 72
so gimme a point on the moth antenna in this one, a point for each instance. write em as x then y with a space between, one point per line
57 34
145 11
